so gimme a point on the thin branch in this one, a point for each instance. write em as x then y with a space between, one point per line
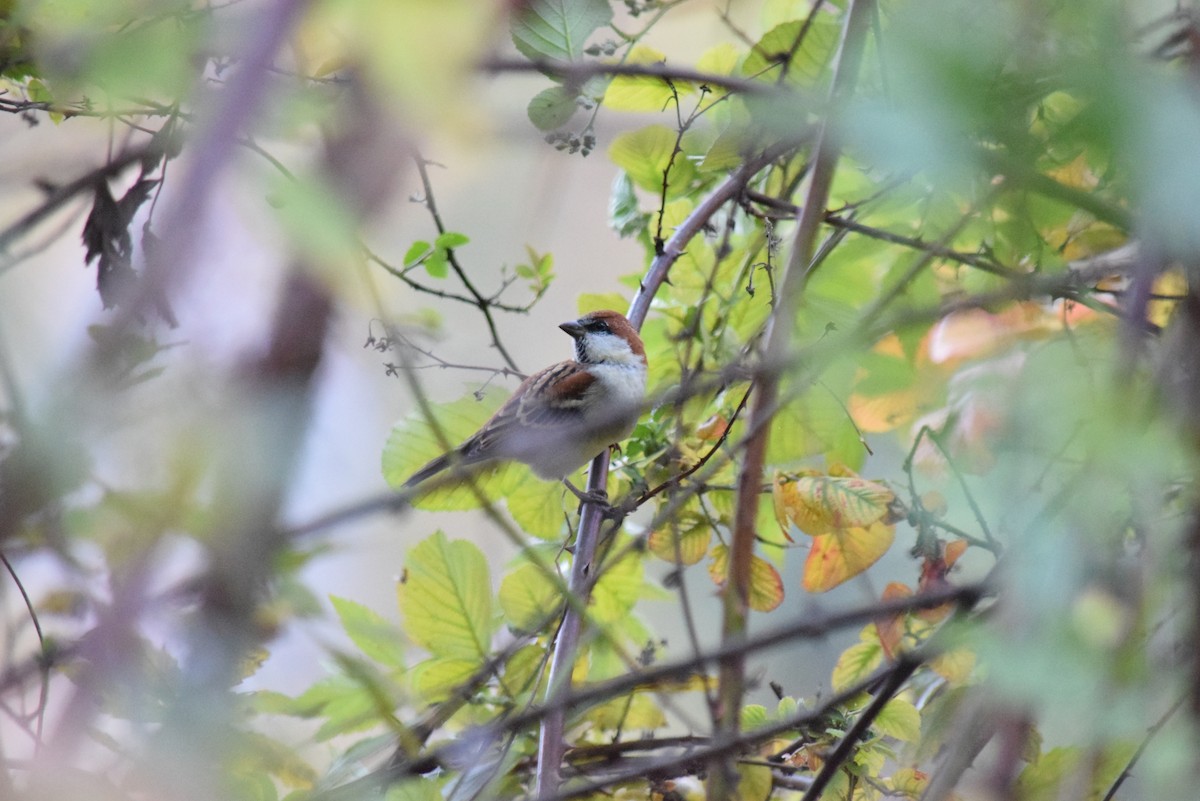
482 303
576 73
57 197
1127 771
845 748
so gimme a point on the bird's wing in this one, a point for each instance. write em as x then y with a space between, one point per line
544 402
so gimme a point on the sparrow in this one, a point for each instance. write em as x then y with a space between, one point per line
562 417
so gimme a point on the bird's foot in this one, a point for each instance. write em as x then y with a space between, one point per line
598 497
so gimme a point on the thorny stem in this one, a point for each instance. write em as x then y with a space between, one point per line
736 593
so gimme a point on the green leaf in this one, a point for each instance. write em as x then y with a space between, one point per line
437 265
446 598
374 636
754 716
536 505
856 663
807 63
643 92
899 719
434 679
624 216
644 154
558 29
414 441
551 108
528 597
416 252
451 239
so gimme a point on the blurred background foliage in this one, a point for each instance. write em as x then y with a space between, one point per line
978 477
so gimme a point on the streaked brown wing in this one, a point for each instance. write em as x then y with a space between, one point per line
524 419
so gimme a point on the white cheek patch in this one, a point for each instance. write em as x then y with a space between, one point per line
610 348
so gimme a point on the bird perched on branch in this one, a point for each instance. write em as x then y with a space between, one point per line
563 416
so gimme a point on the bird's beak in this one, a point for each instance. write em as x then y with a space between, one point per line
573 328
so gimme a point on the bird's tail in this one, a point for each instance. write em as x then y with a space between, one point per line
432 469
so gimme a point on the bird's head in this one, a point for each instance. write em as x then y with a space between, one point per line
606 337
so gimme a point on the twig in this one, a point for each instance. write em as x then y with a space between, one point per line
579 72
845 748
1141 749
482 303
60 195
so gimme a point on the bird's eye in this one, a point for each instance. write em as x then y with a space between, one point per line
598 326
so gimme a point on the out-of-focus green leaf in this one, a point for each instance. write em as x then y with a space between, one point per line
899 719
528 598
624 216
557 29
434 679
551 108
446 598
374 636
646 153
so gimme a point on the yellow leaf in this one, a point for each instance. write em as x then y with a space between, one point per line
910 782
899 719
692 536
718 564
434 679
720 59
639 712
646 153
954 666
823 504
766 587
528 597
643 92
754 783
843 554
855 664
446 598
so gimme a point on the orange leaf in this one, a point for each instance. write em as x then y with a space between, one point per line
843 554
891 627
974 333
953 550
713 428
824 504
